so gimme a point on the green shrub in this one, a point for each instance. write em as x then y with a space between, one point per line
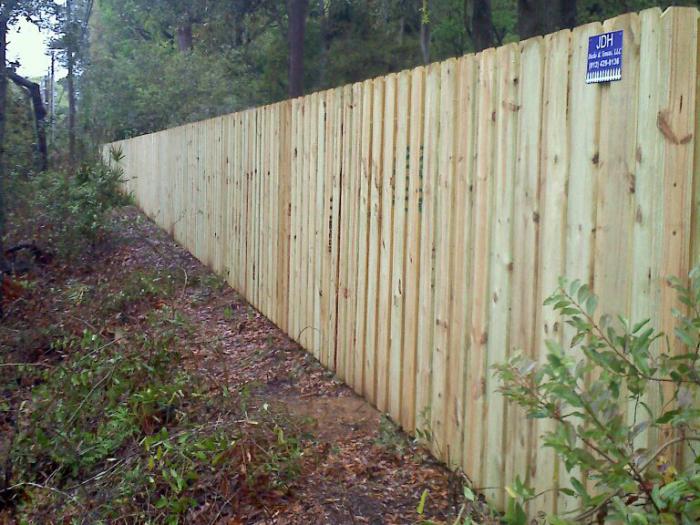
123 428
68 212
85 410
616 382
140 286
76 207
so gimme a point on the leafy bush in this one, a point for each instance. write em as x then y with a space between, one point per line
66 212
76 207
122 428
86 409
616 385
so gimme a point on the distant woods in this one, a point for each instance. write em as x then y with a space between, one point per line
140 65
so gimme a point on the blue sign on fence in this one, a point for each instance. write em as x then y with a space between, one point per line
604 57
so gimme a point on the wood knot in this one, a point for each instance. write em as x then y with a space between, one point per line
662 122
510 106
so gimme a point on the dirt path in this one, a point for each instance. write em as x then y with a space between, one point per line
363 470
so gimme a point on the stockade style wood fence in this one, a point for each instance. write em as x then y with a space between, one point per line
406 229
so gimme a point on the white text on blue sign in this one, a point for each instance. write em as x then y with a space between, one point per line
604 57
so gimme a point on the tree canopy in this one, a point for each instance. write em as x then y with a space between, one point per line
143 65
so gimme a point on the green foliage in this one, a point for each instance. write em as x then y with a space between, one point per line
85 410
423 431
122 427
472 509
150 286
614 389
20 154
13 10
139 79
142 87
71 211
390 437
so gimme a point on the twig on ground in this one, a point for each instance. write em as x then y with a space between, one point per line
51 489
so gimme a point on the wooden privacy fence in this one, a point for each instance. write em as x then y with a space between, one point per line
406 229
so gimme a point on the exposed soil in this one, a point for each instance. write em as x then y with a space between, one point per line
359 468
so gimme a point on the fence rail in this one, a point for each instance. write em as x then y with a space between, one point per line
406 229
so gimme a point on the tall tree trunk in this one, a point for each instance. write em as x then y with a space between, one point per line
296 14
71 109
531 18
536 17
52 99
425 30
3 102
324 15
483 25
567 14
34 93
70 52
184 37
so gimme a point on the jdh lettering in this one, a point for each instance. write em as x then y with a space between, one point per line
604 41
